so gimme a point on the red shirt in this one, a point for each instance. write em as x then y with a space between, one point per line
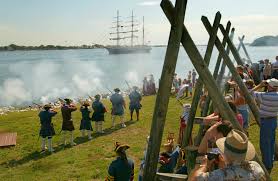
239 119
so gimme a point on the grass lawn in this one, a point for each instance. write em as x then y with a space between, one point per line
89 159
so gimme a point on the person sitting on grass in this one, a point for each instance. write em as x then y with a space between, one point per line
234 161
85 123
47 129
122 168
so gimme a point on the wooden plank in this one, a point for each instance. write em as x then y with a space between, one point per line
171 177
165 84
7 139
237 78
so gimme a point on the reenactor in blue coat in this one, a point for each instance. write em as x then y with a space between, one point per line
98 114
122 168
67 125
134 104
118 106
85 123
47 129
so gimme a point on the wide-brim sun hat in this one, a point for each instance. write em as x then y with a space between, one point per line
272 82
236 146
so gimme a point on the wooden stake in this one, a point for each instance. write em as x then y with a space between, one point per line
164 90
199 84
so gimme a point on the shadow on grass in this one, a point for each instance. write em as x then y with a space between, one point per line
36 155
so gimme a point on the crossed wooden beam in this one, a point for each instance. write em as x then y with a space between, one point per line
179 34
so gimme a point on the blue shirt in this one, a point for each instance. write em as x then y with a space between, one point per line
117 101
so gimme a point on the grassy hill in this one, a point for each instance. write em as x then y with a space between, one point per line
89 159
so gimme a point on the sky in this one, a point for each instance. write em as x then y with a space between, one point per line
72 22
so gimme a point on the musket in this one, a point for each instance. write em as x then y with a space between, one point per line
109 90
127 85
90 97
180 102
37 105
61 100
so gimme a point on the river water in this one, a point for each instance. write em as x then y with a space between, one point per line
45 75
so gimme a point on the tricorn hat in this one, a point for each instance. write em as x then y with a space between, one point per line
97 96
86 103
68 100
121 147
117 90
236 146
46 106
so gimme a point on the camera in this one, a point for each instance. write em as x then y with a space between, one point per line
213 154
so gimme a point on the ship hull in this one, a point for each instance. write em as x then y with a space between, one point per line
128 50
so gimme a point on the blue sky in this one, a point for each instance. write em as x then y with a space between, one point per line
72 22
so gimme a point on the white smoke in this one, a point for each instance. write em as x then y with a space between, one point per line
13 92
132 78
46 81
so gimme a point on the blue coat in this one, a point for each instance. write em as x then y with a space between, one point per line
118 102
135 99
120 170
85 121
99 111
47 129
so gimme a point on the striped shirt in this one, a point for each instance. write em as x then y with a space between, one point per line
268 103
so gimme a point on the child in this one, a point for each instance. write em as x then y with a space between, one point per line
85 123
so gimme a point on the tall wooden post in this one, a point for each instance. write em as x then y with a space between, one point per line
223 67
163 94
203 70
249 99
244 49
199 84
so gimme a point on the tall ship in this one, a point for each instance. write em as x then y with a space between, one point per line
127 32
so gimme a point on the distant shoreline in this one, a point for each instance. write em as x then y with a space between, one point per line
14 47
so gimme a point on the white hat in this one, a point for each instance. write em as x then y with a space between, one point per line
272 82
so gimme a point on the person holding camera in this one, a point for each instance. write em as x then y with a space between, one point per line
235 154
268 107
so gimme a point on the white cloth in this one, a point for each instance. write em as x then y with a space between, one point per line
182 90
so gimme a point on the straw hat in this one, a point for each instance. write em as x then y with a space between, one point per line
121 147
236 146
272 82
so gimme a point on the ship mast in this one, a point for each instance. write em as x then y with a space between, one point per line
120 31
132 25
143 32
118 34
